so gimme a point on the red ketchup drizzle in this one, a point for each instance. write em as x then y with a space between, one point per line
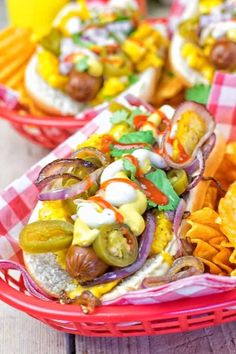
183 156
152 192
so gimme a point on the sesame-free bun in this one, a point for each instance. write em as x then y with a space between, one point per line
189 76
44 269
54 101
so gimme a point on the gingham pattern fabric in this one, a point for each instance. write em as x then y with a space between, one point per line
19 199
222 103
176 11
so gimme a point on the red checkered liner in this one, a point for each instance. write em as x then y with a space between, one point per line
19 199
176 11
222 103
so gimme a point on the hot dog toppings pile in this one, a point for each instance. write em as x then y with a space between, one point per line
114 216
93 54
205 41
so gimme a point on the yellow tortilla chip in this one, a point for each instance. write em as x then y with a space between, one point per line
232 258
226 244
227 213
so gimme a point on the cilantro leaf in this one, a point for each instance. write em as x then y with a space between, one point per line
151 204
161 181
119 116
122 115
77 40
198 93
129 167
119 152
134 113
82 64
133 79
138 137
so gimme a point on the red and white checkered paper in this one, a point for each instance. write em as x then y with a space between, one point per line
19 199
176 11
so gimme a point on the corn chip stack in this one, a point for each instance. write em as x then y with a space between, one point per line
16 48
213 229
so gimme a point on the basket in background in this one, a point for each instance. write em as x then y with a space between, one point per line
47 131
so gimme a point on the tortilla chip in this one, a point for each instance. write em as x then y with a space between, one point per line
213 228
204 250
227 213
226 244
226 173
203 232
233 273
211 245
205 216
222 260
212 268
232 258
217 242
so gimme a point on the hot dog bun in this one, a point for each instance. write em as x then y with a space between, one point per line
49 275
57 102
188 75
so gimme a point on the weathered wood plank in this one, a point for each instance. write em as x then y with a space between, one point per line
214 340
16 154
20 334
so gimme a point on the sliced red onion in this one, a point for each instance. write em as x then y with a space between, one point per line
205 115
144 250
29 283
200 173
209 146
60 166
93 154
170 215
137 102
179 216
73 190
8 98
56 181
206 150
193 167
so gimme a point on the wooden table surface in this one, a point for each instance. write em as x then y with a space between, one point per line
20 334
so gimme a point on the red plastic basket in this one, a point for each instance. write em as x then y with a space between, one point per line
46 131
123 321
50 131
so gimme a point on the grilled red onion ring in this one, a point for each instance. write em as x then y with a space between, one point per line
179 216
137 102
205 115
50 192
206 150
198 177
93 155
74 167
177 271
